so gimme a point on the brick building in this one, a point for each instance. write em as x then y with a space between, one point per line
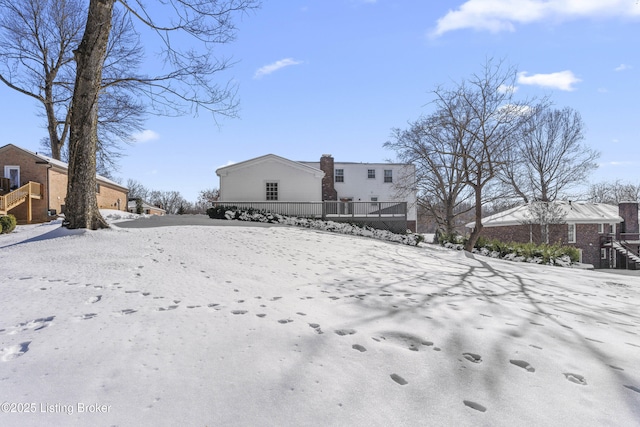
606 235
34 186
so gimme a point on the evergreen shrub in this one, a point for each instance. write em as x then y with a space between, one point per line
8 223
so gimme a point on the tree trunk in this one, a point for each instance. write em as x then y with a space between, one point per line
477 229
81 207
54 141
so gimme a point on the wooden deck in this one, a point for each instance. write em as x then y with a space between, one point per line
26 193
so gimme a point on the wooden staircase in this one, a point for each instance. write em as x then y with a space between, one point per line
31 190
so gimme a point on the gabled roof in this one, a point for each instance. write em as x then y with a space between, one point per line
131 204
575 213
270 158
60 164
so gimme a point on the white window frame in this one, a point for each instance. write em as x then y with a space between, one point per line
339 175
571 233
603 253
7 174
388 175
600 228
371 174
374 201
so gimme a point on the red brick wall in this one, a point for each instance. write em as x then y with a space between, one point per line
328 189
587 237
54 188
57 189
29 171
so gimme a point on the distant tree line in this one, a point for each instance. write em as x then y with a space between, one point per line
172 201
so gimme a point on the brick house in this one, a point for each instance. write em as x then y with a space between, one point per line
606 235
147 209
34 186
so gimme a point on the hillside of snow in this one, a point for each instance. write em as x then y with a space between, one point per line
284 326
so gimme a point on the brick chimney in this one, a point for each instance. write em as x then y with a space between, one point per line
629 213
328 189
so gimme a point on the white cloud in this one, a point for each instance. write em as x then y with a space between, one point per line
145 136
619 163
562 80
507 89
623 67
503 15
271 68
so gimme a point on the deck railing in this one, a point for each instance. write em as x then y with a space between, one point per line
328 209
31 190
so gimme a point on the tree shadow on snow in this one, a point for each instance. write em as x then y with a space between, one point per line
53 234
456 294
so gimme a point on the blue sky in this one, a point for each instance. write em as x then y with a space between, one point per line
335 76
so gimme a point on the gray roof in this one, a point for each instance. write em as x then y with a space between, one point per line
575 213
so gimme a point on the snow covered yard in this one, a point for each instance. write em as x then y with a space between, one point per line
283 326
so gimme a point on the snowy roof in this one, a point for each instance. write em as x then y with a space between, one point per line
269 157
63 165
575 213
131 204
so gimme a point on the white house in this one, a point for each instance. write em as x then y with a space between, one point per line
274 178
270 178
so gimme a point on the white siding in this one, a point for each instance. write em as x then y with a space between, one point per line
248 182
358 186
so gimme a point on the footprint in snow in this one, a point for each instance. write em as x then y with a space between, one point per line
472 357
634 388
397 378
575 378
358 347
523 365
343 332
87 316
36 325
93 300
474 405
316 326
171 307
14 351
284 321
238 311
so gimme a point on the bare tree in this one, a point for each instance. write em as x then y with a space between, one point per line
37 39
170 201
206 199
433 147
137 190
613 192
188 83
544 214
548 157
486 115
